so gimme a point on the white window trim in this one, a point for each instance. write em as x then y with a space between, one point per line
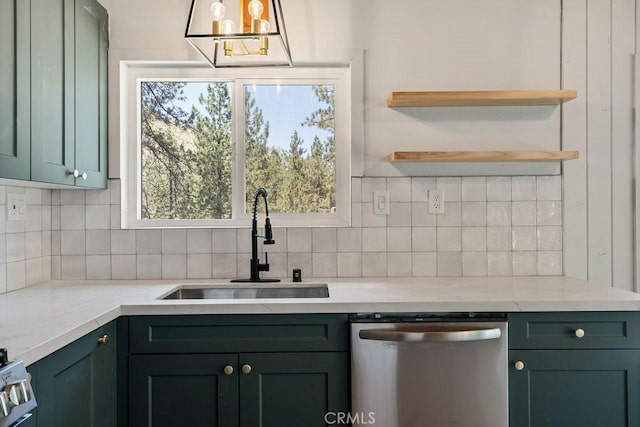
133 72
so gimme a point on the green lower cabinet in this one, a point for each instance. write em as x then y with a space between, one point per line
76 385
292 389
582 388
246 389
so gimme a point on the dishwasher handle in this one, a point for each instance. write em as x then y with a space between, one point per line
430 336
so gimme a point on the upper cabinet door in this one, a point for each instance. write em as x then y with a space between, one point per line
91 43
14 89
52 94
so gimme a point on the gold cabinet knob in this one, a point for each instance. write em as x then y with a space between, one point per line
579 332
104 340
246 369
519 365
228 370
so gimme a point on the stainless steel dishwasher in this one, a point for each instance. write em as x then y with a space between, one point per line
425 370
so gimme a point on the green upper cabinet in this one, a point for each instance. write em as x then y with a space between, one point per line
53 103
14 89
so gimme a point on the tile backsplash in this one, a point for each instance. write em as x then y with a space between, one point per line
491 226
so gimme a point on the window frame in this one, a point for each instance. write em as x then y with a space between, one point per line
134 72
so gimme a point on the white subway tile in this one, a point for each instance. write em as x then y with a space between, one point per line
199 241
499 264
324 239
55 197
46 243
33 271
523 213
448 239
33 244
420 188
374 239
452 187
423 239
356 214
115 217
46 218
498 189
277 267
523 188
33 196
34 218
123 267
224 266
349 239
549 188
452 216
45 196
523 238
123 242
16 275
199 266
350 264
474 213
45 267
399 189
549 238
174 242
3 278
301 260
399 264
55 242
474 264
223 241
371 219
98 217
55 218
99 267
243 240
550 263
73 267
400 215
374 264
356 189
499 238
549 213
449 263
524 263
3 248
174 266
424 264
56 268
148 242
420 216
369 185
474 189
16 247
325 264
98 197
72 197
399 239
474 238
498 213
299 240
280 236
72 217
114 187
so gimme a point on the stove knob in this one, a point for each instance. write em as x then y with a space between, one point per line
19 392
5 407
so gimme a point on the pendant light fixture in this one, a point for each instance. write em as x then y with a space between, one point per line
239 33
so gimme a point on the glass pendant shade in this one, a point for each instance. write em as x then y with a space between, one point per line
239 33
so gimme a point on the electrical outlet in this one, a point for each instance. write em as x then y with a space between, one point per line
381 203
436 202
16 207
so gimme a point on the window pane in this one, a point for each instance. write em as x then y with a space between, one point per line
290 146
186 150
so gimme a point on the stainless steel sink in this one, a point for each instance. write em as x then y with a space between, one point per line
249 292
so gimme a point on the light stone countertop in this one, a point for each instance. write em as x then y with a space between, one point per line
36 321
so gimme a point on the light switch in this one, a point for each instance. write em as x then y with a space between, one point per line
16 207
381 203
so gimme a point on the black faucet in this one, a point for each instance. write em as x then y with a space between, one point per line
256 267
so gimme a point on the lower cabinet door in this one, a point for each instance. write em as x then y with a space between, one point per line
565 388
183 390
76 385
293 389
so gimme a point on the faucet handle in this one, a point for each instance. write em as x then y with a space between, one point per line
265 266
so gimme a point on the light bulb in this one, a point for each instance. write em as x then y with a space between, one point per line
228 26
217 11
255 9
265 26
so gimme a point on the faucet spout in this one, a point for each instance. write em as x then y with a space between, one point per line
255 266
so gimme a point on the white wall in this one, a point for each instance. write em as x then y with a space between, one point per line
457 45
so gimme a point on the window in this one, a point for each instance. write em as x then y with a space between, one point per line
203 141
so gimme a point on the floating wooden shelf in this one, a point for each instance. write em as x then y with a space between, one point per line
480 98
481 156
